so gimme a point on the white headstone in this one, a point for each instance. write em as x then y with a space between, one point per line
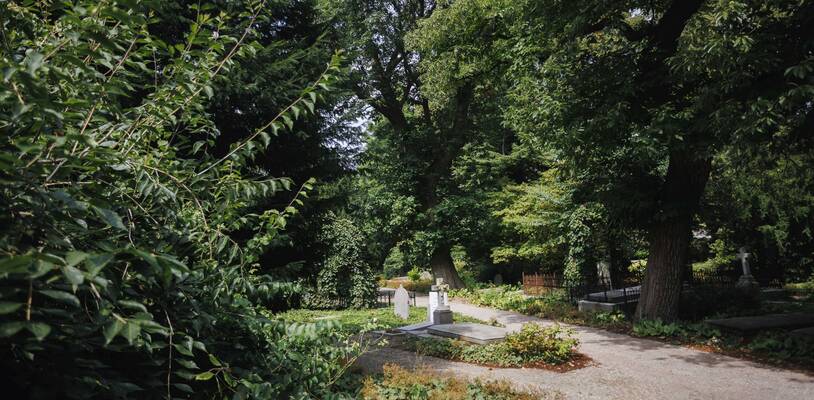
437 298
401 303
603 272
744 257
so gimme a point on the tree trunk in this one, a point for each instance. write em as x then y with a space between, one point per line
670 236
443 267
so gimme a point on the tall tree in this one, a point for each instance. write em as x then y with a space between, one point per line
384 74
637 98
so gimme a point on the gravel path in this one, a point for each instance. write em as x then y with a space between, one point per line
627 368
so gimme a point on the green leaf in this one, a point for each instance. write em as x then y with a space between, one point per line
204 376
34 61
7 307
10 328
15 264
96 262
39 329
73 275
131 331
132 305
110 218
64 297
73 258
214 360
183 387
112 329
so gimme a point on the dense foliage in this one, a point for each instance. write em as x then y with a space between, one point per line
398 383
345 277
122 270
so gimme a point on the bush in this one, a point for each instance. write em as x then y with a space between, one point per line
397 383
414 274
532 344
552 345
345 277
129 246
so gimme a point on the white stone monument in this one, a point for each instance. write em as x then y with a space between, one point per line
604 274
401 303
746 281
438 300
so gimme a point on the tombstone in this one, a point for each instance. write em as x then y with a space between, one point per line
747 282
438 301
401 303
425 276
498 279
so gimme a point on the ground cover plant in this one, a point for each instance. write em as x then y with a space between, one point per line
773 346
533 345
397 383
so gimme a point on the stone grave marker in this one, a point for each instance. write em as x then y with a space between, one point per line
401 303
437 300
498 279
747 282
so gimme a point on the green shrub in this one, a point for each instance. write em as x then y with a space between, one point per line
397 383
534 343
783 346
130 243
414 274
694 332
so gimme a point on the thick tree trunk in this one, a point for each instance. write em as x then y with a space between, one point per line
670 236
443 267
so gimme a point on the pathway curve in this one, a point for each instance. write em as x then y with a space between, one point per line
627 368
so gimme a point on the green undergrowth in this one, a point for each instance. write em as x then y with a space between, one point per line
531 345
553 305
353 320
397 383
771 346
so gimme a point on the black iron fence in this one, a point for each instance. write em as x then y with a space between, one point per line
625 291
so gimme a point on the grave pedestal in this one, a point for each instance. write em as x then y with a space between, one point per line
437 299
442 315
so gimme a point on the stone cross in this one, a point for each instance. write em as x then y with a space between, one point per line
437 299
401 303
747 282
744 257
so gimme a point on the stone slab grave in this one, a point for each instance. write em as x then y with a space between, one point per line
470 332
771 321
615 295
807 333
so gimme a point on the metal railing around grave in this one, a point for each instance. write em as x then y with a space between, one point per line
598 289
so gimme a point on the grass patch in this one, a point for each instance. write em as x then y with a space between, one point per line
352 321
396 383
